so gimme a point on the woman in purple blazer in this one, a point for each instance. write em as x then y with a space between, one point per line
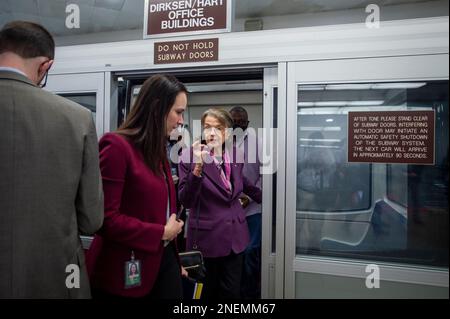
140 202
211 182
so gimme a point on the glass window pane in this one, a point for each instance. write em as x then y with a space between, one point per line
88 100
388 212
397 184
326 182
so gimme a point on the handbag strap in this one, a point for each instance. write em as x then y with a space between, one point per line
197 214
197 222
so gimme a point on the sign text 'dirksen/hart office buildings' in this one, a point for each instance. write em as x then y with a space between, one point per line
406 137
165 18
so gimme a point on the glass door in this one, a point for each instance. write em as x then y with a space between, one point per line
345 217
86 89
270 184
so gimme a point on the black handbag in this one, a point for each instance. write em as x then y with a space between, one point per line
192 260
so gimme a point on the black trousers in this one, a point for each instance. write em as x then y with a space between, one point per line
251 272
168 284
223 277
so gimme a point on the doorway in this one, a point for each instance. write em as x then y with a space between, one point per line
253 89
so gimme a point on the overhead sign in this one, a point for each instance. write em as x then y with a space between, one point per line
406 137
181 17
186 51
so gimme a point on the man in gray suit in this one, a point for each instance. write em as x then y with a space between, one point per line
50 187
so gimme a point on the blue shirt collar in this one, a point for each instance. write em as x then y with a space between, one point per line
9 69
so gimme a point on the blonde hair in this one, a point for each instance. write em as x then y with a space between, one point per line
221 115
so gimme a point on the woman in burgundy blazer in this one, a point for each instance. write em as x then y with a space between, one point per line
140 225
211 188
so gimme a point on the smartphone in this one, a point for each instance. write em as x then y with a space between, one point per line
204 142
179 213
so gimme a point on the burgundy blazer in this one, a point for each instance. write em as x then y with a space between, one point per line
135 215
222 226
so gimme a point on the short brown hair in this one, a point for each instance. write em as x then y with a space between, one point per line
27 39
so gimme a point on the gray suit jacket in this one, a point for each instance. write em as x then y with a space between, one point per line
50 191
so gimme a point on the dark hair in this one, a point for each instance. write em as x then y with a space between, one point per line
239 109
135 266
27 39
145 126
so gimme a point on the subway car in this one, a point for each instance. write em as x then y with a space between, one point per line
332 228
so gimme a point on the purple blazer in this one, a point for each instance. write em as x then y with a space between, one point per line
222 226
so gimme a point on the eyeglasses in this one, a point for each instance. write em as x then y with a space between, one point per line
208 130
44 80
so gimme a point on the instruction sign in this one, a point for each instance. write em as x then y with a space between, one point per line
406 137
176 17
186 51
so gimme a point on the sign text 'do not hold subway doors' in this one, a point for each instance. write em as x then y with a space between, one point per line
186 51
165 18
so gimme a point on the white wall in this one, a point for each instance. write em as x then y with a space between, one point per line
394 38
100 37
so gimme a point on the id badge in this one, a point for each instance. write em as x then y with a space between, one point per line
133 273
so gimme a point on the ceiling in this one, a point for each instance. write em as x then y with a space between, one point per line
115 15
95 15
262 8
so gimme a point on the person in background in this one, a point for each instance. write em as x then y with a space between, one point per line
175 147
211 183
250 145
140 201
317 174
50 187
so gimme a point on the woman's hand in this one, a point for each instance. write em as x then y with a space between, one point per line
199 157
184 272
172 228
244 200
